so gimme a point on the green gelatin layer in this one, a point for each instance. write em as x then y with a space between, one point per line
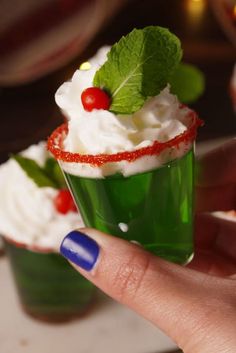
153 208
48 287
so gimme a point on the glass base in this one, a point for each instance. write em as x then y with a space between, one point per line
60 317
173 254
49 288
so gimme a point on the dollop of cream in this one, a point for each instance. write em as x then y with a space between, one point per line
27 212
102 132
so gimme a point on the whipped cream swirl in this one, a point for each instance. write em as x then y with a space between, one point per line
102 132
27 212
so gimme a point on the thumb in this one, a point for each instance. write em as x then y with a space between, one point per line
175 298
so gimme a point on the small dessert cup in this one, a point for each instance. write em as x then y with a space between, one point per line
34 219
153 207
49 288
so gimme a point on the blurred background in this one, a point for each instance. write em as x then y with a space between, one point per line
42 43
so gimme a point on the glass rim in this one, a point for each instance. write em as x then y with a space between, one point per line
54 145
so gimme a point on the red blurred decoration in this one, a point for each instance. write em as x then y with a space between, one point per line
225 11
32 25
38 37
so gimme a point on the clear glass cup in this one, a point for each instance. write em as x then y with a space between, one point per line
154 208
49 288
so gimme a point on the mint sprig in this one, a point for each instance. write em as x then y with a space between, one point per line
187 82
48 176
138 66
53 171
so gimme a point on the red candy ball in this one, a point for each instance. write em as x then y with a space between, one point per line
64 202
95 98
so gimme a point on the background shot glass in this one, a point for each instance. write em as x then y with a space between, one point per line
49 288
154 208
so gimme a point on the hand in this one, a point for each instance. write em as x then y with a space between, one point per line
194 305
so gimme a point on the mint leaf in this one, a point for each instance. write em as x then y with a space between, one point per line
187 82
138 66
53 171
34 171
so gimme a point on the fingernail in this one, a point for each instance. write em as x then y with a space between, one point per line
80 249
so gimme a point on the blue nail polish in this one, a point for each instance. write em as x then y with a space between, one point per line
80 249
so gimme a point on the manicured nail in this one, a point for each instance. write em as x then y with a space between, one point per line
80 249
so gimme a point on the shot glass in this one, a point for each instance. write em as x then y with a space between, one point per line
153 207
49 289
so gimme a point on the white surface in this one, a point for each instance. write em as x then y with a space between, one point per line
109 327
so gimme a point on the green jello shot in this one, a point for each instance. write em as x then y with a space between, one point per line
127 151
153 208
35 213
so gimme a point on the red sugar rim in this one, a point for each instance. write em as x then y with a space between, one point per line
56 139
